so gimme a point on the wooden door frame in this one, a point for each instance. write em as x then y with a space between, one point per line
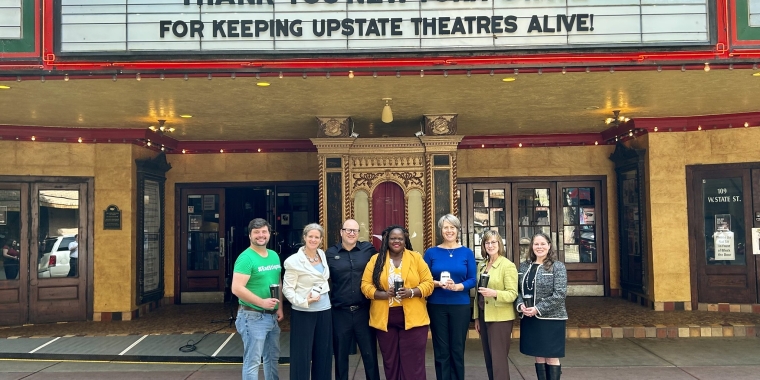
694 204
84 234
221 231
22 284
553 223
464 182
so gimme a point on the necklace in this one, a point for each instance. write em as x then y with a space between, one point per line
312 260
531 283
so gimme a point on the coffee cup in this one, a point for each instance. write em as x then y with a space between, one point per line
445 277
483 283
274 291
397 285
528 300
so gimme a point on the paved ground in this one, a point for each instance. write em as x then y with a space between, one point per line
584 313
620 359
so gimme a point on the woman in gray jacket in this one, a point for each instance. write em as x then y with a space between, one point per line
542 287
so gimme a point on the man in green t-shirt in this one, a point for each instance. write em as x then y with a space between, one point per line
256 270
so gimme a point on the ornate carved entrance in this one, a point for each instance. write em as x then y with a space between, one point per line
351 169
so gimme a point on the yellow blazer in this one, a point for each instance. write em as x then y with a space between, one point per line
503 279
416 274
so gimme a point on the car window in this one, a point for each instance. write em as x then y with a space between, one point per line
65 244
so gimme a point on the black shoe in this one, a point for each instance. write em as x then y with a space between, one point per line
541 371
553 372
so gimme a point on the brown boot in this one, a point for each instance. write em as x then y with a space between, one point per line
553 372
541 371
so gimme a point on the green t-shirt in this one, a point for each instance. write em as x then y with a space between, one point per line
264 271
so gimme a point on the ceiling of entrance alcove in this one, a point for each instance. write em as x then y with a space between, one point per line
237 109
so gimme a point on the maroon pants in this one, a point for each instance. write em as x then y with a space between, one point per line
403 350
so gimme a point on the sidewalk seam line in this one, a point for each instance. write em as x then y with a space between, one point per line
131 346
222 346
42 346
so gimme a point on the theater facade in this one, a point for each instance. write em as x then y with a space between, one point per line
144 135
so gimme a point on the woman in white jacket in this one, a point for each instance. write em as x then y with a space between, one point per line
305 286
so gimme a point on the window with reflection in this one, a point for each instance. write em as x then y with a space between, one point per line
533 216
579 227
10 234
203 232
58 233
489 214
725 229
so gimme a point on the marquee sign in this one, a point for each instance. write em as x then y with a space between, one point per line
319 26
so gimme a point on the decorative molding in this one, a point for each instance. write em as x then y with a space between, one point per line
441 125
411 178
334 126
371 162
365 180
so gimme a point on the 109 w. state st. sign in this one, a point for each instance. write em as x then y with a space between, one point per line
320 26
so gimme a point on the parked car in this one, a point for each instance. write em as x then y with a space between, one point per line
54 262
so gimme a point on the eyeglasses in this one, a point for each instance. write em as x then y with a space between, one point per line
350 230
491 243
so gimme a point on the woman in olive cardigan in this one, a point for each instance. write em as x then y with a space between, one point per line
401 317
494 310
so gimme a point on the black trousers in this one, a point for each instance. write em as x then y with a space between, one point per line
349 327
73 267
449 325
311 345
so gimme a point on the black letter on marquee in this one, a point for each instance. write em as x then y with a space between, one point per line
396 26
582 19
535 25
245 28
196 26
417 21
165 25
177 31
348 26
510 24
318 32
232 28
219 28
295 28
260 26
547 29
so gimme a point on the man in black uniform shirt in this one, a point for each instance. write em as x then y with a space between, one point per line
350 309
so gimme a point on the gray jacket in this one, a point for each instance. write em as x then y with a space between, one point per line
550 290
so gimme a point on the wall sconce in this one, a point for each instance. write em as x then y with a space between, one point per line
387 115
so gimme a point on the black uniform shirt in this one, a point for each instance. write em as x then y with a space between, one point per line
346 271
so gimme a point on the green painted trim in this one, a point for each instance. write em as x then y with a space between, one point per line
28 31
745 32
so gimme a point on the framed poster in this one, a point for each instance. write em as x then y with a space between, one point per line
195 222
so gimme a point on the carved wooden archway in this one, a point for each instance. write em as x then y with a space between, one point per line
351 168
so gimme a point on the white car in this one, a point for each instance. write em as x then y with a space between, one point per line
55 261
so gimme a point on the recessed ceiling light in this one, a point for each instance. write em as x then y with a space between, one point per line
508 79
756 74
3 87
186 116
592 107
263 84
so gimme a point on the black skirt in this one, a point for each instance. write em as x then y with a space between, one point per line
542 337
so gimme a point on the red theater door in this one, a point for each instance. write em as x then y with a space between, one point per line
388 207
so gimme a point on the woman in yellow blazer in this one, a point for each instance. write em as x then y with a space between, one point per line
494 306
397 311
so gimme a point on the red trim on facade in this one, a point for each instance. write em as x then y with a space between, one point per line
527 141
252 146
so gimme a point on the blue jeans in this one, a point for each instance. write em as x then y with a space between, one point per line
261 337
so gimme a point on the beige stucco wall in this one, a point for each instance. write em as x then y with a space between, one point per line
228 167
668 155
551 161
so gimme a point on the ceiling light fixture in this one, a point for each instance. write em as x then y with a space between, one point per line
707 67
617 119
387 114
66 77
350 74
138 77
4 87
186 116
508 79
280 76
162 128
263 84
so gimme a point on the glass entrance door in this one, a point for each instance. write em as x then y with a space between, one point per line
570 213
202 241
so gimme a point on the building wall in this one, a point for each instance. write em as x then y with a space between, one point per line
228 167
668 154
112 166
551 161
